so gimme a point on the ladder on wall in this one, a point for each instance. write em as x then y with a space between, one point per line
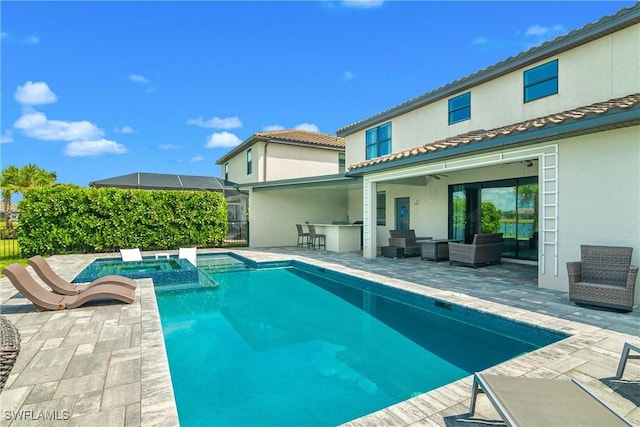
549 193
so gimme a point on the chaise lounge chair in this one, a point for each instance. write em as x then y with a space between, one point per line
625 356
190 254
43 300
132 254
61 286
543 402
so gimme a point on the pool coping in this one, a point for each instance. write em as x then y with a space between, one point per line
588 354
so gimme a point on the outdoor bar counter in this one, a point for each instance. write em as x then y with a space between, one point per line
341 237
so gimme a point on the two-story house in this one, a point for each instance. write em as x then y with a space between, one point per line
274 160
544 147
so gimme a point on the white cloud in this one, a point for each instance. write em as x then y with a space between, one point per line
537 34
93 148
363 4
32 39
302 126
479 41
138 78
222 139
348 75
217 122
6 137
308 126
196 159
124 129
36 125
169 147
37 93
272 128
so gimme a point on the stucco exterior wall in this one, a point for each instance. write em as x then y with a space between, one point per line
599 191
597 71
238 165
291 161
274 214
283 161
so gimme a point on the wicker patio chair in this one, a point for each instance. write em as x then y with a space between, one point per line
407 240
10 341
604 277
485 249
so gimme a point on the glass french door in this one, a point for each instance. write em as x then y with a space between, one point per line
509 207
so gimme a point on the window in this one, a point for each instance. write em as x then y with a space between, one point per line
460 108
341 163
381 208
379 141
541 81
226 171
249 163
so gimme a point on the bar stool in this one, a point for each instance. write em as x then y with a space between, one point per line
313 237
303 238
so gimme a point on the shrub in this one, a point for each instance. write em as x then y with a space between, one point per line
69 219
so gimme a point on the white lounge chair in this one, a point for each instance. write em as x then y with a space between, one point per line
189 254
131 254
543 402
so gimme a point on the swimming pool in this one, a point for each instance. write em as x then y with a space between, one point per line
288 343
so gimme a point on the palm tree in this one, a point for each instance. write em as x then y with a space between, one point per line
18 180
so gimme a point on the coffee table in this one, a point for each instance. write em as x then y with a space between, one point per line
436 249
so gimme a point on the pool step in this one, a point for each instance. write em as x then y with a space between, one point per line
204 282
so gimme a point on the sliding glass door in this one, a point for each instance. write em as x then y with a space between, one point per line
509 207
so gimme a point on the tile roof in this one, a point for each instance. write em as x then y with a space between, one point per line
302 136
482 135
605 25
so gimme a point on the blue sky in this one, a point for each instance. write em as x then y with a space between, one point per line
92 90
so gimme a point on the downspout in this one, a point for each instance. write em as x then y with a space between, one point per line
264 162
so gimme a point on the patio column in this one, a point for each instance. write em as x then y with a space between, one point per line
369 200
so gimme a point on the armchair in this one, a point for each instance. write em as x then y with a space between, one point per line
603 277
407 240
485 249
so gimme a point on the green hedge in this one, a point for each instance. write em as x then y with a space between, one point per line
69 219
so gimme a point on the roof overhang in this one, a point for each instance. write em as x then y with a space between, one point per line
337 182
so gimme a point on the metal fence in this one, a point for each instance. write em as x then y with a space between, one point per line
237 236
8 244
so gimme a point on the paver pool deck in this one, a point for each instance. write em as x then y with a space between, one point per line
104 364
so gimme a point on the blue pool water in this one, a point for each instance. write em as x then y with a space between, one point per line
300 345
289 344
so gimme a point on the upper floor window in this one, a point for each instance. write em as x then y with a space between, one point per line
460 108
341 162
541 81
226 171
249 162
379 141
